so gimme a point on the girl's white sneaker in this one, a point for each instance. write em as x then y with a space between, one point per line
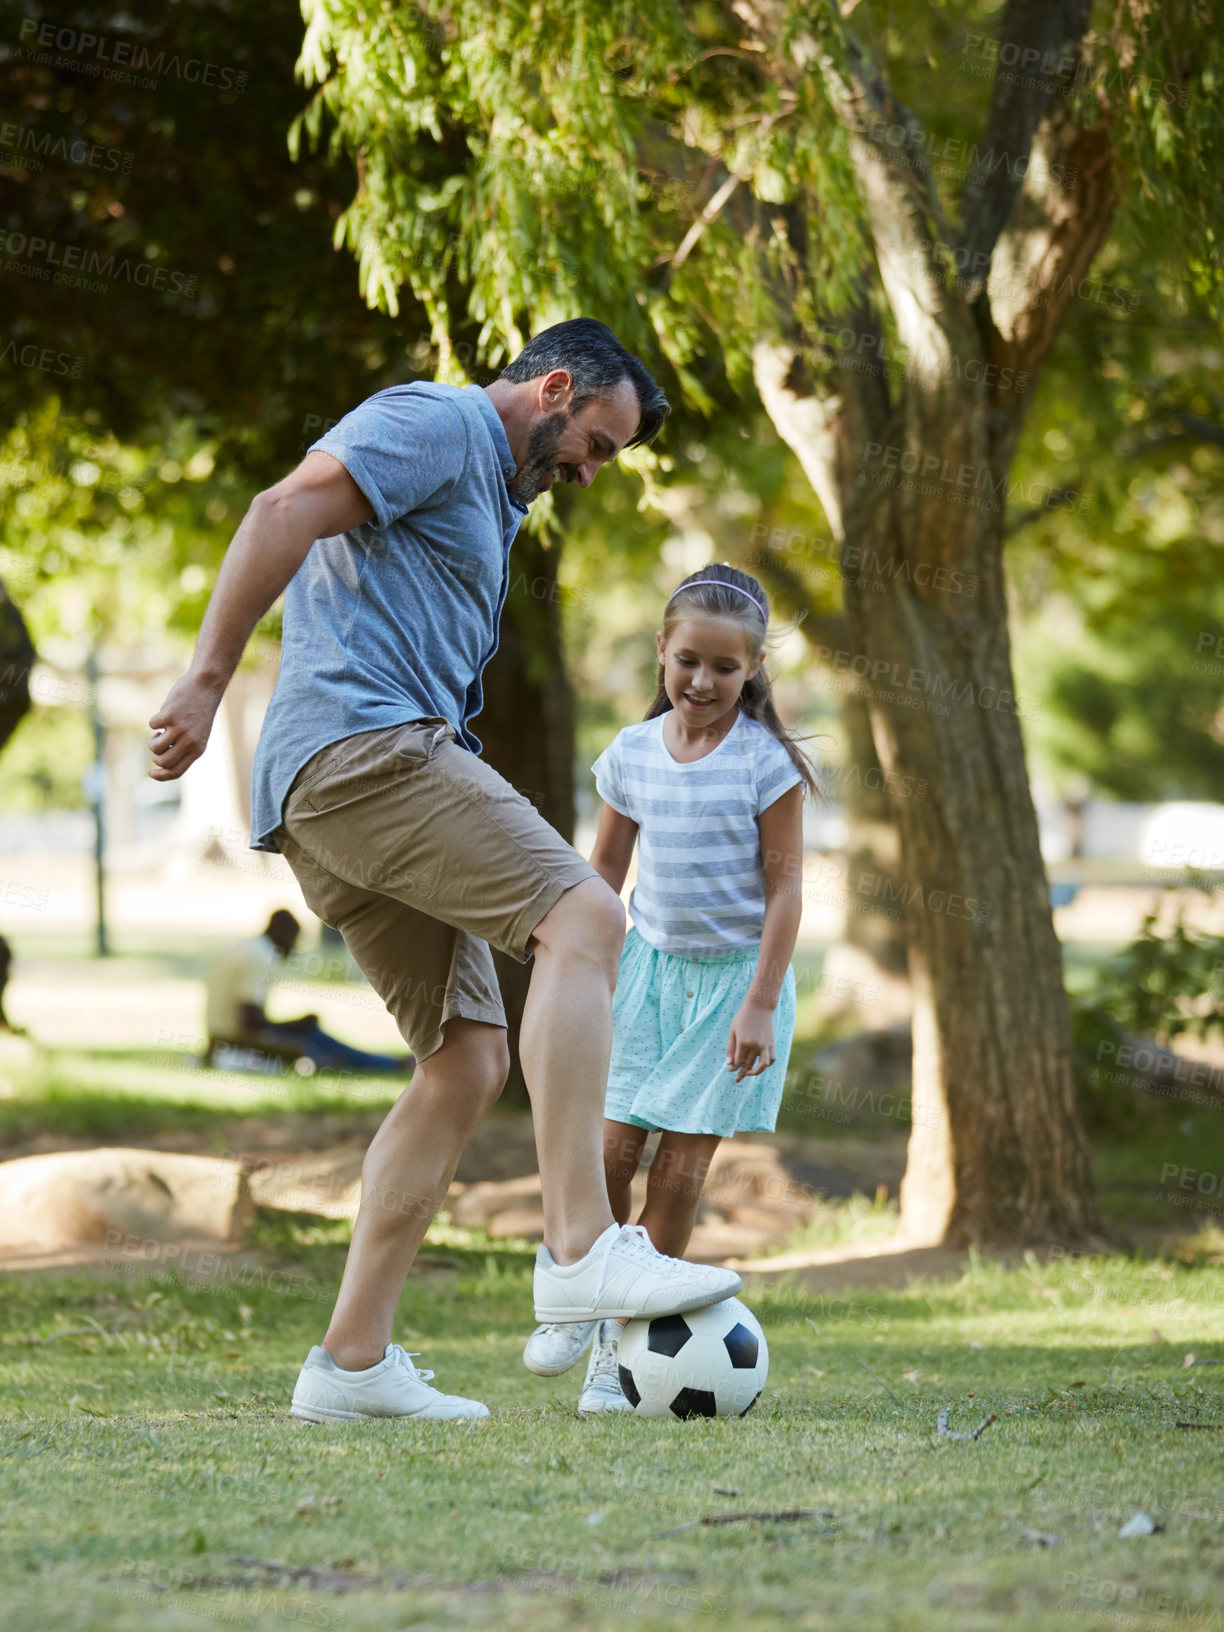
601 1391
392 1388
556 1347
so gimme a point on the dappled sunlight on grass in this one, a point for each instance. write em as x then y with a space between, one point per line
159 1434
852 1222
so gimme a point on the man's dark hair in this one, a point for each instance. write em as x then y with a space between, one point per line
597 362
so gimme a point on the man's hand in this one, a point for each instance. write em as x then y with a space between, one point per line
182 726
317 500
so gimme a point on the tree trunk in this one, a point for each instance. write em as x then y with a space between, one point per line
911 467
866 975
527 728
996 1149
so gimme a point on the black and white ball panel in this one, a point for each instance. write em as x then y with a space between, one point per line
704 1363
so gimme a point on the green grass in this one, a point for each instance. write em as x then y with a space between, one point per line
1172 1155
147 1464
118 1094
151 1478
123 1095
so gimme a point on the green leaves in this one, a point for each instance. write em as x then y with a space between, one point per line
100 539
1166 985
525 163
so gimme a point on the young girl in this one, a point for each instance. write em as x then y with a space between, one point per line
710 787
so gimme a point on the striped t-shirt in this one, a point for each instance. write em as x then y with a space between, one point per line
700 886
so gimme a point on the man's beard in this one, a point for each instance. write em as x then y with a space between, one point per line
540 458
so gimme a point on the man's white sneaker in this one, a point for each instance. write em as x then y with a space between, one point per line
392 1388
602 1391
623 1276
554 1348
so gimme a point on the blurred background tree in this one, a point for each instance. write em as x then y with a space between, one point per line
749 202
1119 583
749 188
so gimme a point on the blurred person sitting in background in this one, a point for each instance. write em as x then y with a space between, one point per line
6 964
238 984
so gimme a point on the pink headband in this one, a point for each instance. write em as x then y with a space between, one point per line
722 584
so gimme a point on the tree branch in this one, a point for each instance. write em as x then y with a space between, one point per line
827 629
1181 428
1043 37
717 202
1058 221
708 216
911 236
1055 499
807 421
903 205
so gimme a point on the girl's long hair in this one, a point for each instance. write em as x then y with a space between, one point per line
706 591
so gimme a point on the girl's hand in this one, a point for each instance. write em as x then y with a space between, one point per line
750 1046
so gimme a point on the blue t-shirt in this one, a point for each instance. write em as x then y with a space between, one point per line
395 620
700 887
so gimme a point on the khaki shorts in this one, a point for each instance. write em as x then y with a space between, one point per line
423 857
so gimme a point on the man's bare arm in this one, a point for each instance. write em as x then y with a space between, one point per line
317 500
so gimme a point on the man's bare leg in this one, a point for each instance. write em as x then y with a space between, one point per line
565 1045
404 1179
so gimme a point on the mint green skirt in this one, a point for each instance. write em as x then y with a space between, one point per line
671 1018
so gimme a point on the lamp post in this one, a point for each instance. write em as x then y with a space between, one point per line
95 789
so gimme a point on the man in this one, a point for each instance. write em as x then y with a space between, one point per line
238 984
393 538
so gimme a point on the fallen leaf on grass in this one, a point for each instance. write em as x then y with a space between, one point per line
1139 1524
767 1518
783 1517
719 1490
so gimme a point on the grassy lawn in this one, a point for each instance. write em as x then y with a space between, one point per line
150 1476
153 1478
117 1094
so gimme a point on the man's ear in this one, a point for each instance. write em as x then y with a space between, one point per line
556 389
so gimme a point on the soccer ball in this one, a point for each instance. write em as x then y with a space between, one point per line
709 1362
